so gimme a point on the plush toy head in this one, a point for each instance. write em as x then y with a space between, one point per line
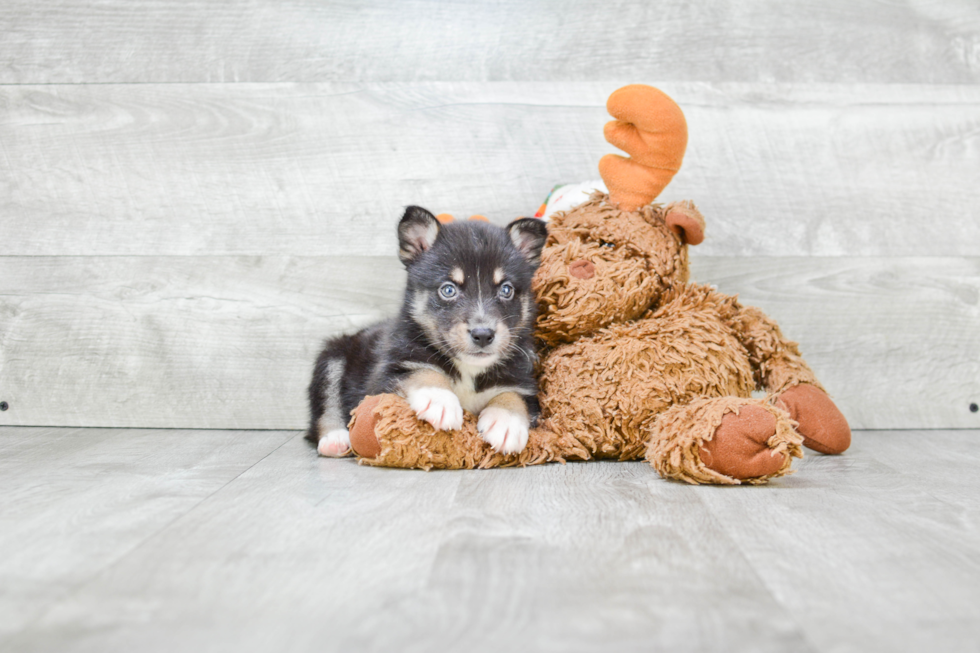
601 265
609 259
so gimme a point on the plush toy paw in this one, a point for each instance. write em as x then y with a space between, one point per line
334 444
503 430
740 445
437 406
823 427
724 440
363 436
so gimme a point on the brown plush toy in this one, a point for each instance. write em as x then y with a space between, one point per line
636 361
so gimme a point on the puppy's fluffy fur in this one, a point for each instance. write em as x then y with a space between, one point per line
462 340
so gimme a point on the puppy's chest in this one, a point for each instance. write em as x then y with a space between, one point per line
465 389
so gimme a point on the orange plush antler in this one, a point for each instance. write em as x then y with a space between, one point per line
445 218
650 127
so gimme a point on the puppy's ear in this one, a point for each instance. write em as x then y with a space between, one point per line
417 230
528 236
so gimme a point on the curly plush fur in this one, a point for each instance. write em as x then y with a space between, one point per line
637 363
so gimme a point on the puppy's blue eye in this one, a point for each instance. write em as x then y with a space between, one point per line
506 290
448 290
606 243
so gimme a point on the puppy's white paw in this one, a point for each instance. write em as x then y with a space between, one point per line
334 444
503 430
437 406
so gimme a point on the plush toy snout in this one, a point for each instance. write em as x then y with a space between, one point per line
582 269
580 285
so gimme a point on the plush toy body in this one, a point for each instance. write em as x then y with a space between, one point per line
636 361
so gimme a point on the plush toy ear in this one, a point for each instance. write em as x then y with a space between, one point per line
528 236
686 221
417 230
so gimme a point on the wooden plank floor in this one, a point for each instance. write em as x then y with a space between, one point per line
149 540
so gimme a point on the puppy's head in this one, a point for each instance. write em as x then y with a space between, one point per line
469 283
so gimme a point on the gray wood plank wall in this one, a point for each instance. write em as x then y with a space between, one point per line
193 195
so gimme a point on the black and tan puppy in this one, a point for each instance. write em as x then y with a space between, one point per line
462 340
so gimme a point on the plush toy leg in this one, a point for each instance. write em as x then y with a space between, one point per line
822 425
776 361
385 432
723 440
780 369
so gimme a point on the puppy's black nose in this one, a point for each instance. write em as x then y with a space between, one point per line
482 336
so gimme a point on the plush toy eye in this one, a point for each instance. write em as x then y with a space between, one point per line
448 290
606 243
506 290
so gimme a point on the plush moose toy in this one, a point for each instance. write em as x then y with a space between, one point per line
636 361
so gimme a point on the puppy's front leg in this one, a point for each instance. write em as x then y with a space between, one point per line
504 423
428 393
